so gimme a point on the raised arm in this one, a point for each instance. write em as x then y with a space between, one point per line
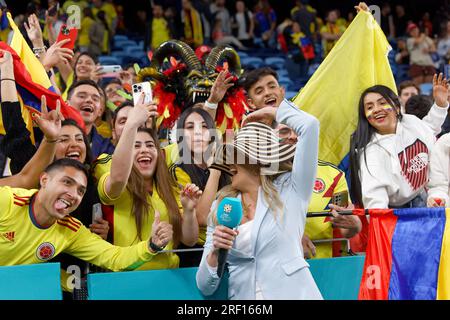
122 159
218 91
50 124
17 136
438 112
306 127
189 197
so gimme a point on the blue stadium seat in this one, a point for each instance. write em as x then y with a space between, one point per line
109 60
290 94
132 49
275 62
312 68
242 54
285 82
122 44
283 73
120 37
120 55
254 62
426 88
447 71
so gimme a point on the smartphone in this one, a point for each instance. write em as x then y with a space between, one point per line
97 213
340 199
110 71
66 33
53 10
144 87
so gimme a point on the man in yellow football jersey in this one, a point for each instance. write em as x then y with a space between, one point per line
35 225
329 181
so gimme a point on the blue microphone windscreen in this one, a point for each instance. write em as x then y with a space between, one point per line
229 212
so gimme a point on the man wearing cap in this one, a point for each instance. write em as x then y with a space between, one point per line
420 47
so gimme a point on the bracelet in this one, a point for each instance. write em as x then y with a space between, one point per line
8 79
209 105
39 49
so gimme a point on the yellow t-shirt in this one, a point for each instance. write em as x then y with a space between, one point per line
124 225
24 241
104 129
103 163
110 13
160 32
83 35
333 29
329 180
183 178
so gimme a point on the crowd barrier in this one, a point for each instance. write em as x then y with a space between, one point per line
337 279
31 282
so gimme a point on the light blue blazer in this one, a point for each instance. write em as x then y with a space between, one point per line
277 262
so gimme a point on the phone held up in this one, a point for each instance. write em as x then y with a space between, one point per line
67 33
138 89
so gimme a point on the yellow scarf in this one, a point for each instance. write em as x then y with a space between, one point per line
193 28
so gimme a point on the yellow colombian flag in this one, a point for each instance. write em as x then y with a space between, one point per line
34 67
357 61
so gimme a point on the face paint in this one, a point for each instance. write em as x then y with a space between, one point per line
386 107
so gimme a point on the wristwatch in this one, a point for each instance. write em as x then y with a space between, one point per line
154 247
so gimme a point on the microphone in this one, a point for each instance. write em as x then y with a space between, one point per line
229 214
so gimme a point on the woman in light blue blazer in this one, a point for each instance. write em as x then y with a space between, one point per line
265 259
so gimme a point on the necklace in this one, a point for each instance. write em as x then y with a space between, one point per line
247 208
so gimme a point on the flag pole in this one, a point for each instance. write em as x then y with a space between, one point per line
328 213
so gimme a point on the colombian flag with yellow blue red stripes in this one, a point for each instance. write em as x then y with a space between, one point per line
32 82
408 255
358 61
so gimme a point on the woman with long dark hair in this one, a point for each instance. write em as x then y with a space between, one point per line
144 194
389 152
196 139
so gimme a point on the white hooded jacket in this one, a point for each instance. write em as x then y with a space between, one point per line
438 186
395 169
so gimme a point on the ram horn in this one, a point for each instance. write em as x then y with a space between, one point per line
176 48
227 53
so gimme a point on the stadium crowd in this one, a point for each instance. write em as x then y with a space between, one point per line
153 197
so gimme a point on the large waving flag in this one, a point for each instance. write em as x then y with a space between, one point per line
408 255
32 82
357 61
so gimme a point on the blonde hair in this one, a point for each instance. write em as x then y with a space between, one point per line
270 193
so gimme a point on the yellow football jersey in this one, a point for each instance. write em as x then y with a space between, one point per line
122 223
24 241
329 180
103 163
